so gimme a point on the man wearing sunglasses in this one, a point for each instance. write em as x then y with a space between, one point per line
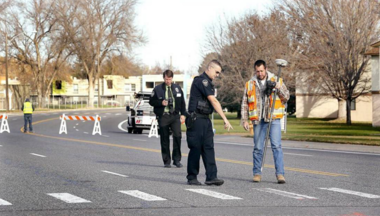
200 135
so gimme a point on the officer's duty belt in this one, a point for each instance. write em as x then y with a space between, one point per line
202 116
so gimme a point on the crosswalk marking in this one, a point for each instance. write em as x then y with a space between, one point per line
38 155
142 195
366 195
105 171
214 194
3 202
286 194
68 198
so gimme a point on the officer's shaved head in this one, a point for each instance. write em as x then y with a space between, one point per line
214 62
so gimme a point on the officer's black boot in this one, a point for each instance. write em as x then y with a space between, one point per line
215 181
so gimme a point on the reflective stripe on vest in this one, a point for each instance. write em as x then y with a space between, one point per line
28 109
279 108
252 104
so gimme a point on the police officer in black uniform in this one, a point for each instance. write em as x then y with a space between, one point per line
170 108
200 135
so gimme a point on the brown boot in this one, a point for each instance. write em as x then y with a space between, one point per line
280 179
256 178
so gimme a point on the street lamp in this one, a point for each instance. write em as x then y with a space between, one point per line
6 71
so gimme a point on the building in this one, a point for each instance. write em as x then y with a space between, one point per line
375 78
114 90
312 101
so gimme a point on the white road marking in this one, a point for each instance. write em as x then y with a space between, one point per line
142 195
3 202
83 121
114 173
214 194
74 127
77 124
118 114
286 194
140 140
38 155
68 198
366 195
85 132
298 154
120 124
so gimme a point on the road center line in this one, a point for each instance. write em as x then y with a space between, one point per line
105 171
68 198
38 155
142 195
185 155
366 195
214 194
286 194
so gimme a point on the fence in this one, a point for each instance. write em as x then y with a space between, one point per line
77 102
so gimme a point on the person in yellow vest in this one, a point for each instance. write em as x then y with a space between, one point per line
256 107
28 109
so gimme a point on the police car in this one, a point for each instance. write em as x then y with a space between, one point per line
141 115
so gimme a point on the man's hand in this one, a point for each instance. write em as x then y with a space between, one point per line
246 126
278 85
227 125
182 119
164 103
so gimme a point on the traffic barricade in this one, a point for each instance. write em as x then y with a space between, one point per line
64 118
153 129
4 123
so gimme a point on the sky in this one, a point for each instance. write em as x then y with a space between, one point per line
176 28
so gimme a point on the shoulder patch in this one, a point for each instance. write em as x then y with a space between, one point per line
205 82
152 94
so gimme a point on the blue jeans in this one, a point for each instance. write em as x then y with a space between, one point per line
275 140
28 118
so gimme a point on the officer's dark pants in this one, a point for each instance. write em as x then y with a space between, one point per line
28 118
200 140
173 122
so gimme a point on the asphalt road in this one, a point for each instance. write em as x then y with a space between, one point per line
117 173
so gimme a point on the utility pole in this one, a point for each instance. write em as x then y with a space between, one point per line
6 71
171 63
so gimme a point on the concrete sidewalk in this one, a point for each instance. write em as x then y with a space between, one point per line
303 144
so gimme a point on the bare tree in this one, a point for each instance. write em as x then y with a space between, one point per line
37 42
331 37
238 43
94 28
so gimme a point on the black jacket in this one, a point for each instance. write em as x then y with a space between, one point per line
158 95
